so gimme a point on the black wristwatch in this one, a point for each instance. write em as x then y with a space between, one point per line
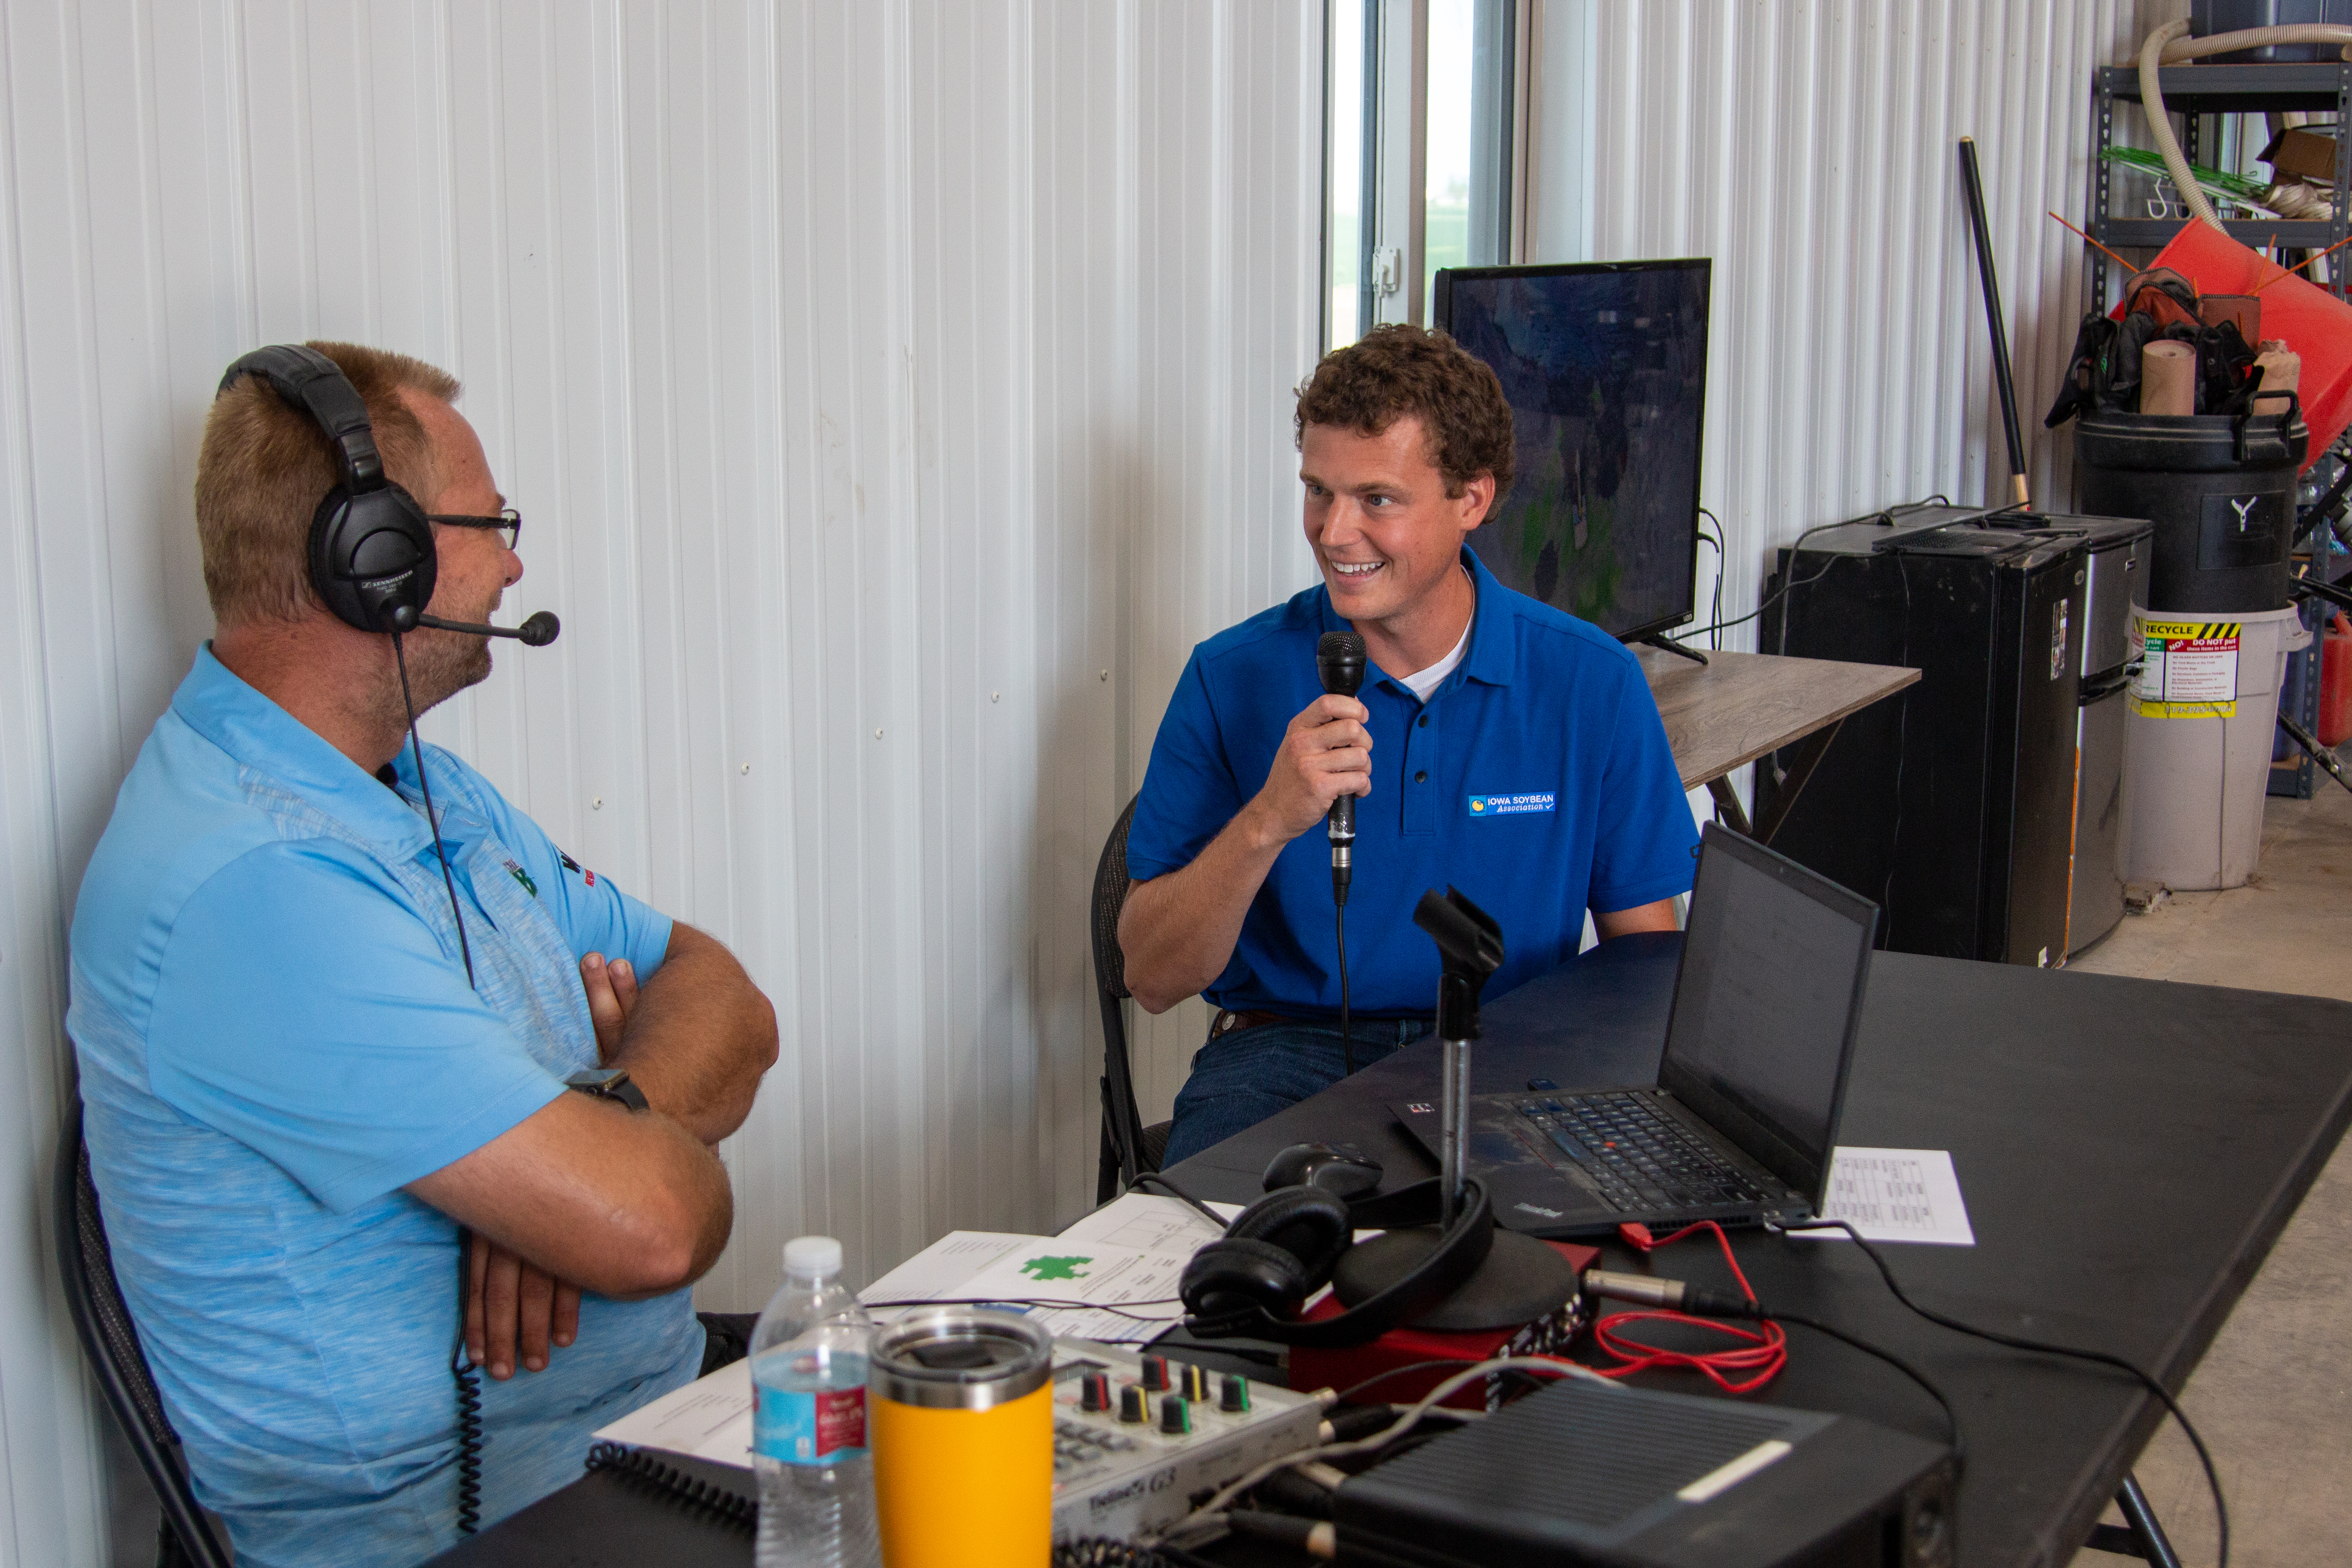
608 1083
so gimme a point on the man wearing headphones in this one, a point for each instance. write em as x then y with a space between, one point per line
1497 744
321 1041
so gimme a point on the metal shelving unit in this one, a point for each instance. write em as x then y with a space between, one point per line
2190 92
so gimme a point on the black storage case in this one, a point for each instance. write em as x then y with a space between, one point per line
1952 803
1584 1477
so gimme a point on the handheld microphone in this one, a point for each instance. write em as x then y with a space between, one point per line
1340 661
537 629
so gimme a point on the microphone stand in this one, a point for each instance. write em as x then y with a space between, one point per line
1470 948
1521 1279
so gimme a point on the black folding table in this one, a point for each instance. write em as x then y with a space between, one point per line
2128 1150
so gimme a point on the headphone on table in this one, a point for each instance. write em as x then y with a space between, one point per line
1284 1247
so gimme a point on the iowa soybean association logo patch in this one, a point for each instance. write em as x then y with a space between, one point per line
1512 804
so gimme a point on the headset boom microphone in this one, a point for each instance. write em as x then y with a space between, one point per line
537 630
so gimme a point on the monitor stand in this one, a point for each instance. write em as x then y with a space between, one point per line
1660 640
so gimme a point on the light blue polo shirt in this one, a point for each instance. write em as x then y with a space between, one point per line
274 1035
1536 779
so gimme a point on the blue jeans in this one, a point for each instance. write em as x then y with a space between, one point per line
1241 1078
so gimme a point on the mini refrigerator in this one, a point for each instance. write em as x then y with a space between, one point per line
1953 803
2118 556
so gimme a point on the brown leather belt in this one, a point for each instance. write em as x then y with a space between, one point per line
1228 1022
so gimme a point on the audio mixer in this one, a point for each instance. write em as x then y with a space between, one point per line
1140 1441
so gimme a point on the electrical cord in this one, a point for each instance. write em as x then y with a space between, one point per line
1212 1510
1761 1355
1887 516
2043 1347
462 1366
1951 1416
1715 604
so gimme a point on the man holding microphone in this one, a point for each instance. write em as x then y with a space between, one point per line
1497 745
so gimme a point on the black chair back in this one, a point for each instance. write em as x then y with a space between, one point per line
1128 1148
111 1339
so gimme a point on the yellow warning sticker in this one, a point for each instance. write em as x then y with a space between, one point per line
2190 670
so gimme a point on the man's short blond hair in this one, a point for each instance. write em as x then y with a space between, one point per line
264 464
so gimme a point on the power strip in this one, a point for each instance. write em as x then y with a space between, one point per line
1117 1475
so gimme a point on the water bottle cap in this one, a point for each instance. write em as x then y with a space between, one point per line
813 1254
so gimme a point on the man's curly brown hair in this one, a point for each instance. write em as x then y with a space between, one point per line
1398 370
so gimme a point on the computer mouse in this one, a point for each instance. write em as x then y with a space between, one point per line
1341 1168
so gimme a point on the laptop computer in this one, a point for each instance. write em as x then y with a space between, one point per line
1740 1125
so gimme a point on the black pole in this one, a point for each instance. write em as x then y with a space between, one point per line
1973 188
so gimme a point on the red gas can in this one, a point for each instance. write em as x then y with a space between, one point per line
2336 683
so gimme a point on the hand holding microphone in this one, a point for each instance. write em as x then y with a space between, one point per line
1325 760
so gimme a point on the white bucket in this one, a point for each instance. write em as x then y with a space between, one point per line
2197 742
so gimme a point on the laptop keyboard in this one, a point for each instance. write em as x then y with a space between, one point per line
1640 1160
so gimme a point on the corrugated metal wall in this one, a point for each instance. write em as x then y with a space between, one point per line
1809 146
895 393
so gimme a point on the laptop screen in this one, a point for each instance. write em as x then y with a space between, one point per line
1767 1004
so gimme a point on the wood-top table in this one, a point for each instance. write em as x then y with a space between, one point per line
1739 707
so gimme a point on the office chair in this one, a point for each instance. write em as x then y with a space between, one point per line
1128 1148
111 1339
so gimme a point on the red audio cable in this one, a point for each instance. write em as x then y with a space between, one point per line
1755 1360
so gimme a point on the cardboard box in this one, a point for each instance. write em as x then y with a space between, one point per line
2302 154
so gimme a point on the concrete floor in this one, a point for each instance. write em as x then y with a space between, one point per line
2270 1396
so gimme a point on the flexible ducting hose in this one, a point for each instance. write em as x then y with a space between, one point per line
2168 45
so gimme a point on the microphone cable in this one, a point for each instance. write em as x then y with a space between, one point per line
1339 929
461 1364
2043 1347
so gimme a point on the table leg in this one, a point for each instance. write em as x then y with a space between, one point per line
1792 783
1726 804
2141 1536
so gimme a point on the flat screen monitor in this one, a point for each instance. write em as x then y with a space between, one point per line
1604 364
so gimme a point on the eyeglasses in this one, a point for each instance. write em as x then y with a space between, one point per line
508 522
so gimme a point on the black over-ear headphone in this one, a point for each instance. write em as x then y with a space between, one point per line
1283 1248
370 548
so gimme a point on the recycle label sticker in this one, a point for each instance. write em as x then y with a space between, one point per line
2190 670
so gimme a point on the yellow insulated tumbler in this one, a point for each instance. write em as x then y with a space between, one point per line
959 1405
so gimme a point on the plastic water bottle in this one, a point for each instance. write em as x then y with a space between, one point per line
808 1369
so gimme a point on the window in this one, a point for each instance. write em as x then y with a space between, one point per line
1420 139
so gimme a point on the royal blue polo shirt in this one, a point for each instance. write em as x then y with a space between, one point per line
1536 779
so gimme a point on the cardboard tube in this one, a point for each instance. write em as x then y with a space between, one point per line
2168 377
2282 369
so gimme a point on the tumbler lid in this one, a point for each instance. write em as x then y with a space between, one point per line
959 1358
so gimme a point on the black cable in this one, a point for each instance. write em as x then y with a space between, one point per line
461 1363
1159 1179
1902 739
1951 1416
2043 1347
1347 1035
432 821
1782 592
469 1402
1722 565
1050 1304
